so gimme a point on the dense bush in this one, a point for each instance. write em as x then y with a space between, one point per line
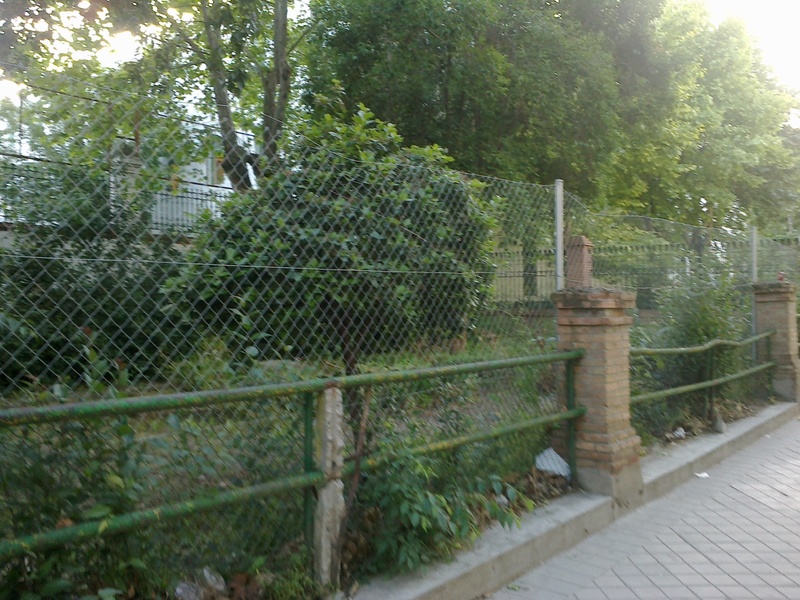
416 511
81 268
57 475
353 245
53 476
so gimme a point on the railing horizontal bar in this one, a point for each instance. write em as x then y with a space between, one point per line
639 399
126 522
94 529
696 349
143 404
382 459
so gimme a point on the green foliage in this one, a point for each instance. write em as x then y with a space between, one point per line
424 516
696 150
353 234
292 580
88 470
645 106
81 270
703 308
509 90
58 475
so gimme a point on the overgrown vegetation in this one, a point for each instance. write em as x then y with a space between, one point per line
80 288
417 510
701 308
341 251
420 510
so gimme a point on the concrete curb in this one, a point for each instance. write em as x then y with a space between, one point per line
502 555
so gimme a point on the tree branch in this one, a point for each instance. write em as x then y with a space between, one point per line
303 35
185 36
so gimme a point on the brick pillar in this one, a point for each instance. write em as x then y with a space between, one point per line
776 308
579 262
607 446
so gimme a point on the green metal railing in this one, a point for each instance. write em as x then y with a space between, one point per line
312 392
711 382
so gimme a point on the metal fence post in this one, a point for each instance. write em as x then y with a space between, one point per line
559 234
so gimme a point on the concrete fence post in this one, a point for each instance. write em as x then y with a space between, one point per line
607 446
776 308
329 513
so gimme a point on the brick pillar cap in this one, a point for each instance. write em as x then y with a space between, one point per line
778 288
594 298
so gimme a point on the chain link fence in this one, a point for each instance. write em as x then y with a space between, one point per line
131 268
82 471
129 261
647 255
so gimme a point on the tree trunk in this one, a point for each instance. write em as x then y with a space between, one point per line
236 158
277 83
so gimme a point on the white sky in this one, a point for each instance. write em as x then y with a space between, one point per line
775 27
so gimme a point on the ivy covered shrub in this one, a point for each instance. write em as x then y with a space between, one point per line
353 244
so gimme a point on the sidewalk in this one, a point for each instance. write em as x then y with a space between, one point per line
734 534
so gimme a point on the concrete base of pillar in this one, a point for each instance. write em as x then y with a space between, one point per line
785 384
625 487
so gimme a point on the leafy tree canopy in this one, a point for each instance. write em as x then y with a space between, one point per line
235 55
640 105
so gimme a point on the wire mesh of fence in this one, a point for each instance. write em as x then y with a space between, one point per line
143 254
778 258
647 255
137 260
129 257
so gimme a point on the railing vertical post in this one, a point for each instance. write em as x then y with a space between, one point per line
329 513
571 425
710 376
308 466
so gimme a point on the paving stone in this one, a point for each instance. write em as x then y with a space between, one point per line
735 535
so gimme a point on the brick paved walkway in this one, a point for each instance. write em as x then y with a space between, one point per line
735 534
